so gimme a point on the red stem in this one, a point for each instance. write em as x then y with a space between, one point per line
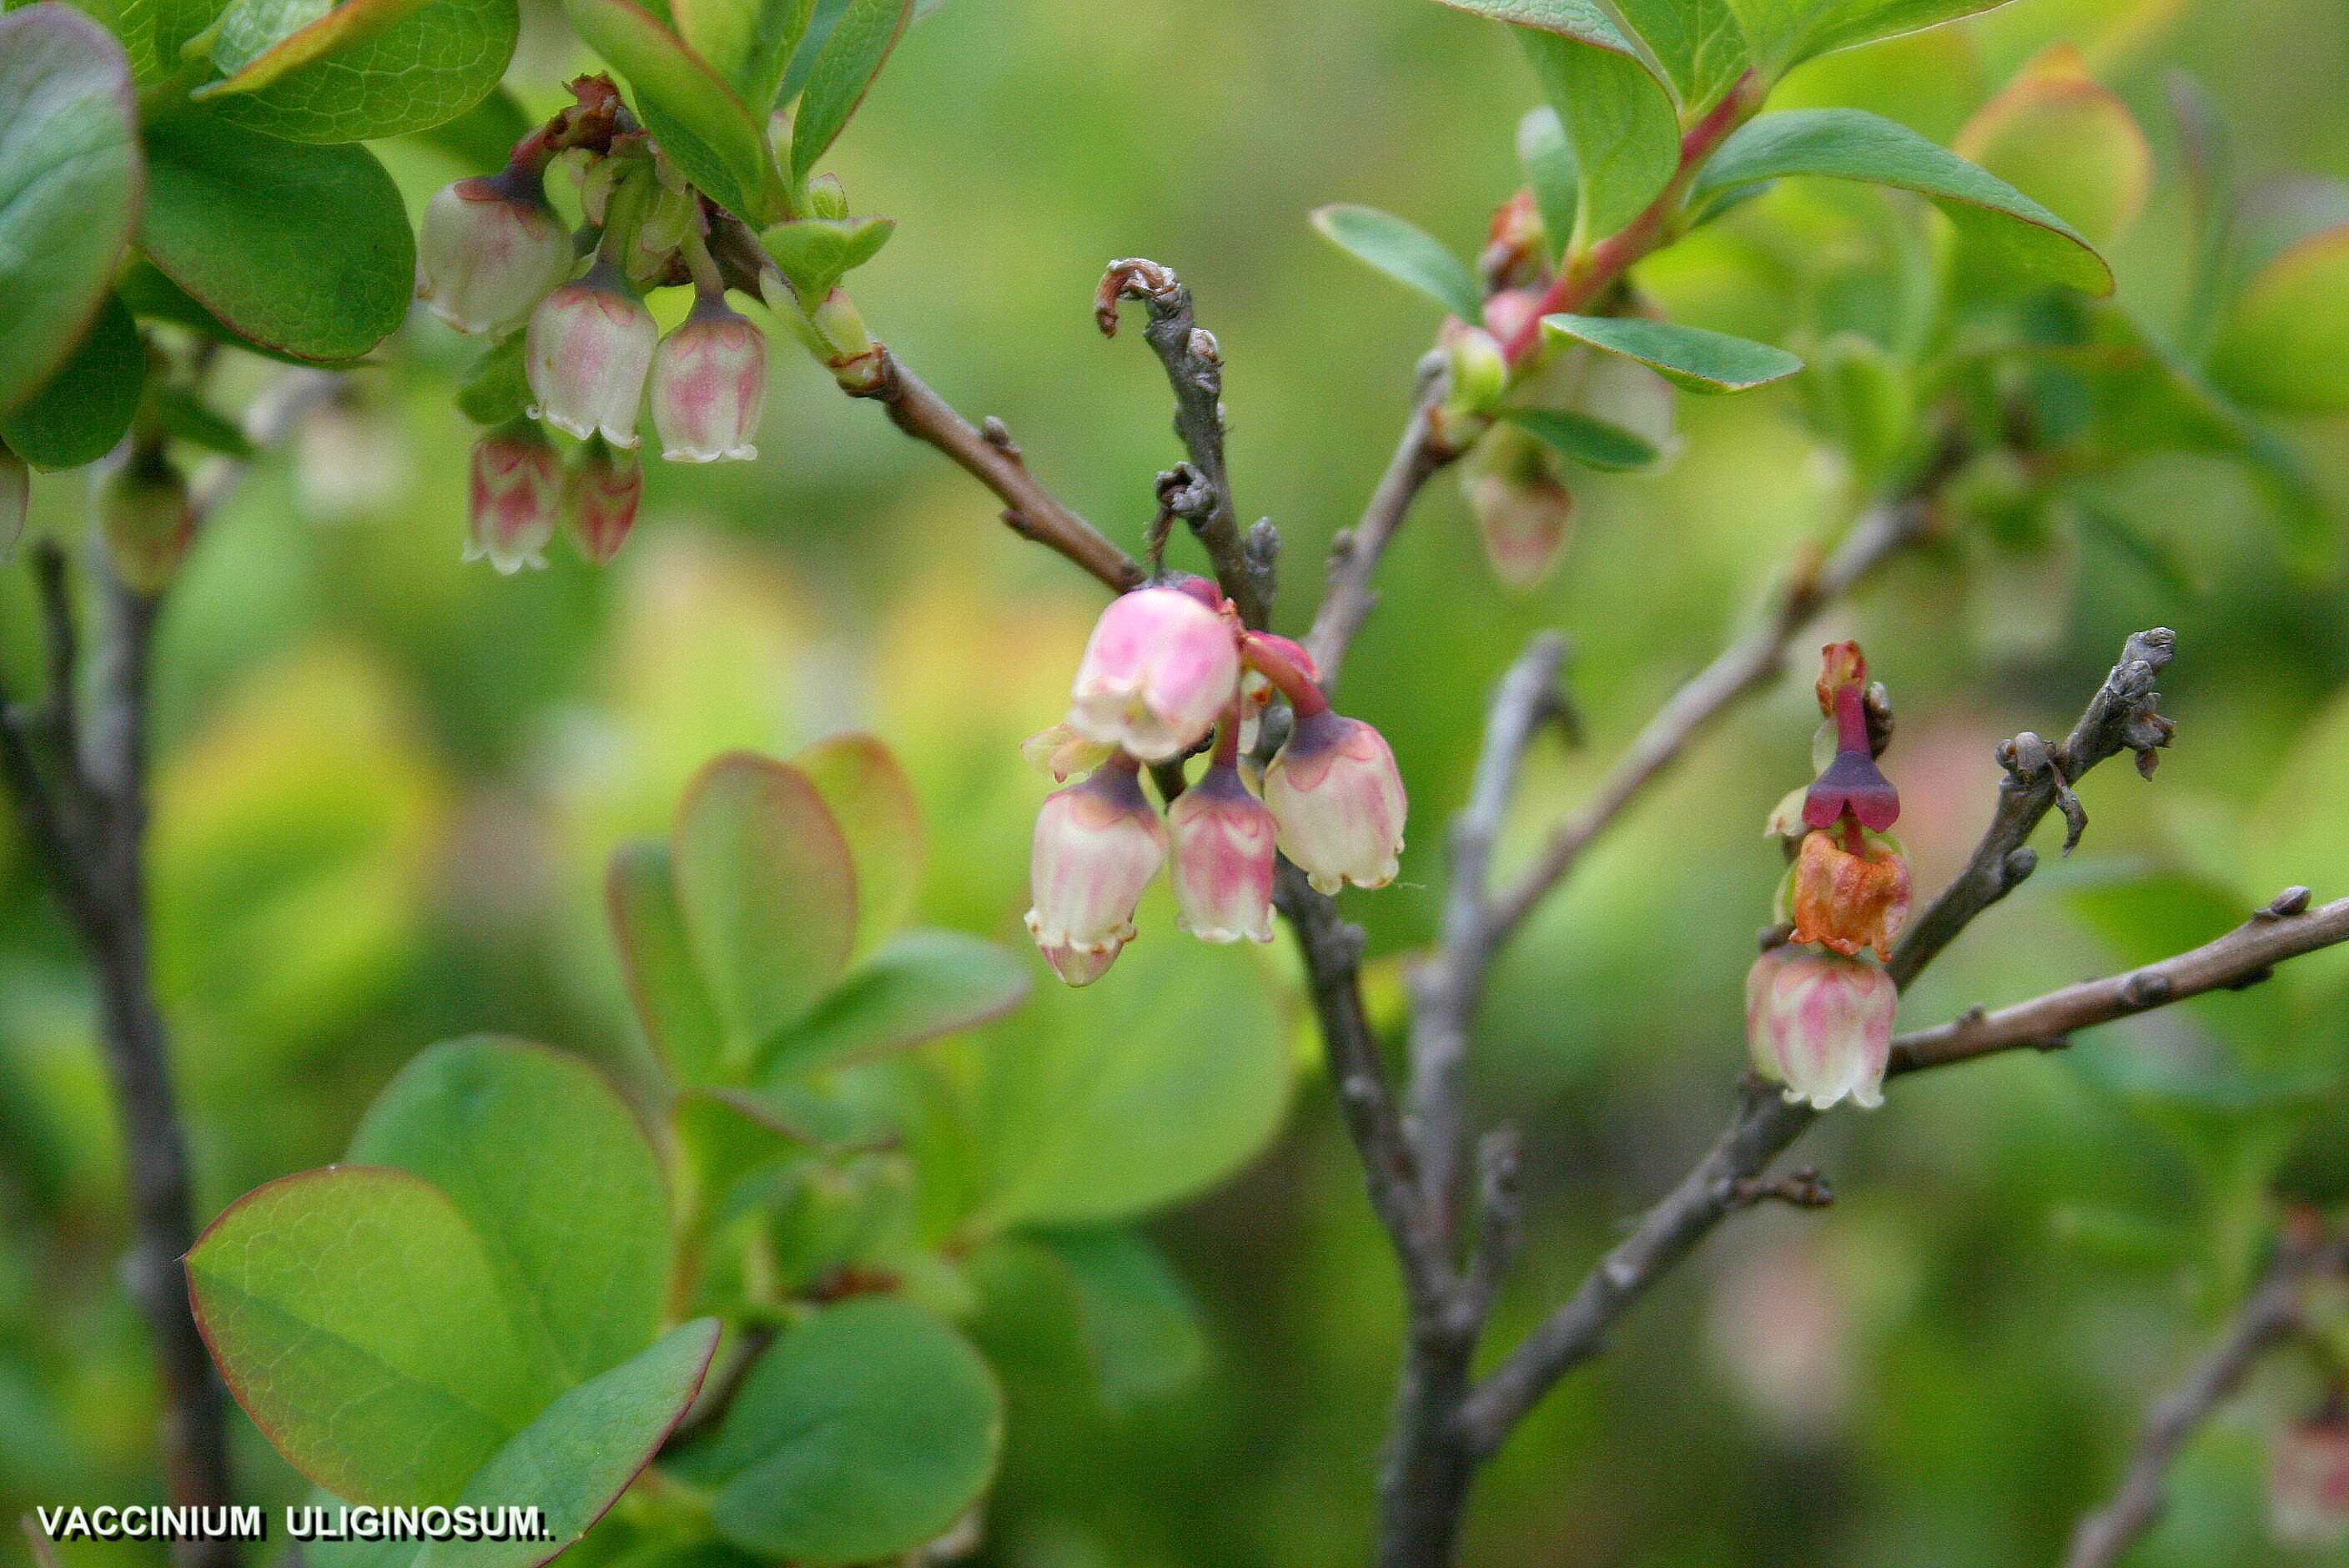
1584 275
1303 694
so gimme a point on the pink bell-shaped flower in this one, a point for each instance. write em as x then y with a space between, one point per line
2308 1482
1339 799
1097 846
589 347
1160 668
515 498
1821 1024
488 249
600 496
708 384
1080 967
1223 840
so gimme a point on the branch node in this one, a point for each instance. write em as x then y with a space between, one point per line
997 434
1804 1189
2146 988
2291 902
2016 867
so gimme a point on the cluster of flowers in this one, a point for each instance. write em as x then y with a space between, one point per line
1165 666
1818 1012
492 255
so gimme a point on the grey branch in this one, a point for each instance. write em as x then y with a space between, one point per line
2120 717
1194 369
1355 553
2270 1314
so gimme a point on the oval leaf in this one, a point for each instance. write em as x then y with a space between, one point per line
1594 443
1782 34
366 68
672 1001
2285 343
1687 357
580 1455
304 249
1157 1081
551 1171
86 406
353 1290
1405 252
1141 1327
873 802
2010 228
769 893
2067 141
695 115
69 186
863 1432
1618 121
924 984
852 56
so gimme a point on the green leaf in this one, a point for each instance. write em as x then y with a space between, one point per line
1141 1327
1782 34
748 42
1157 1081
360 69
821 22
769 892
484 135
190 418
2285 343
1594 443
1698 42
697 119
1687 357
1405 252
924 984
155 34
2067 141
853 55
495 388
1617 115
551 1170
86 406
817 252
1550 174
863 1432
151 297
576 1458
304 249
351 1290
873 802
2008 228
69 186
672 1003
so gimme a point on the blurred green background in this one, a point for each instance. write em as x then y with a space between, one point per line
386 784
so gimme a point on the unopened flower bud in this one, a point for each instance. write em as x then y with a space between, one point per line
1097 846
144 512
599 496
841 329
1849 891
1525 521
1820 1024
709 383
515 496
589 347
826 198
1480 373
1335 792
1222 865
1516 250
1159 669
2308 1482
488 249
1511 312
15 500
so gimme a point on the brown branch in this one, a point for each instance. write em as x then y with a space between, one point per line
1354 555
2120 717
1031 510
1194 369
2270 1314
